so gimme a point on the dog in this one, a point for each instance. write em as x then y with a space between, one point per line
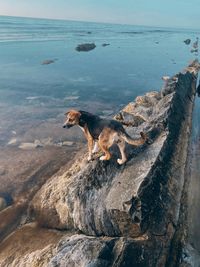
102 134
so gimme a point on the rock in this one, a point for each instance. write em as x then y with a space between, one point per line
194 50
165 78
103 199
48 61
47 141
169 85
195 45
89 251
70 98
29 246
2 170
3 204
187 41
105 44
100 252
30 145
107 112
85 47
32 97
38 143
198 90
12 141
65 143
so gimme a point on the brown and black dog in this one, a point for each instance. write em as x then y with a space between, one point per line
102 133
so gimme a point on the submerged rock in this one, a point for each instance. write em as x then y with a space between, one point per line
85 47
187 41
105 44
30 145
48 61
12 141
65 143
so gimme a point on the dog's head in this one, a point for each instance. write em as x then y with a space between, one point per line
72 118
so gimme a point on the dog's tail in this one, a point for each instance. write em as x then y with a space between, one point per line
135 142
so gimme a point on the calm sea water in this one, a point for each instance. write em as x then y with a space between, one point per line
104 78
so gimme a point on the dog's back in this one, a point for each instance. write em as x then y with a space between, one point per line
96 124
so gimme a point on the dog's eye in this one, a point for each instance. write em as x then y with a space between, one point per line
70 120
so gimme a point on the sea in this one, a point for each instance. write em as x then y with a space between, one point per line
102 80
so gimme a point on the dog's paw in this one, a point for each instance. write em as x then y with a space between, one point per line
102 158
120 161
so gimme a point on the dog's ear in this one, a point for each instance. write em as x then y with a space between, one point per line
66 113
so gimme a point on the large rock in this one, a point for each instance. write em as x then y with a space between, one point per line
130 215
85 47
102 198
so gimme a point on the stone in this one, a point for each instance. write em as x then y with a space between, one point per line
2 170
72 97
195 50
30 145
48 61
85 47
187 41
12 141
198 90
67 143
105 44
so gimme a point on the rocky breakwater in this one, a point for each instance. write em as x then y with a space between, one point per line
129 215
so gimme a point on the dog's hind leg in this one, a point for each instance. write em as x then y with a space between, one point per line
107 155
104 146
121 144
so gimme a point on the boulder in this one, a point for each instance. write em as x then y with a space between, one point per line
187 41
85 47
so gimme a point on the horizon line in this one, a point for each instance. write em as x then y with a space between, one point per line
101 22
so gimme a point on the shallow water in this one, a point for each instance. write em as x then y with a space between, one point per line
34 96
105 78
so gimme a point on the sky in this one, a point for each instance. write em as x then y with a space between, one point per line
167 13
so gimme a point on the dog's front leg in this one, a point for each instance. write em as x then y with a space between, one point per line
90 147
95 148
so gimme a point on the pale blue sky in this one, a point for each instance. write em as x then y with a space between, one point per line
177 13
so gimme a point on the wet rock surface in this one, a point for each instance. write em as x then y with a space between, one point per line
48 61
85 47
187 41
129 215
